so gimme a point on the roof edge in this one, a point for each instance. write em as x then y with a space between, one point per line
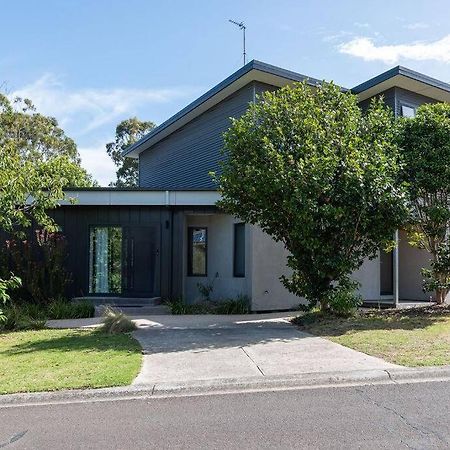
404 71
252 65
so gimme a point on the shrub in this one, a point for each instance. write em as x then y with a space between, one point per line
343 301
40 264
241 305
115 322
22 318
5 286
62 309
28 316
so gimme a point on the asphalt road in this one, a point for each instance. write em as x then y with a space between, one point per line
371 417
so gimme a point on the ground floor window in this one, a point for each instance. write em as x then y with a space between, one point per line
386 273
239 250
105 260
197 251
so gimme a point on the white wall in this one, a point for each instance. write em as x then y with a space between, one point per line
269 263
368 275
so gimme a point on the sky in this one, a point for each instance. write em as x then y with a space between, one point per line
91 64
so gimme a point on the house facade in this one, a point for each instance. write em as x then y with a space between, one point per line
168 239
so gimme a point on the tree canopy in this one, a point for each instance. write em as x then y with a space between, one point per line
127 133
319 175
425 149
37 161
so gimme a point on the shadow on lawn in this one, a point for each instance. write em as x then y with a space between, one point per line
407 319
77 341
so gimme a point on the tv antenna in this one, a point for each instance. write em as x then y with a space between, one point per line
242 27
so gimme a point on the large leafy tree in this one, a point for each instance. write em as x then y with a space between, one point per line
127 133
314 172
37 161
425 147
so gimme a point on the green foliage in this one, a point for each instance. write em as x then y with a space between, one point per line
62 309
437 278
240 305
115 322
40 263
205 290
37 161
425 147
13 282
318 175
343 301
127 133
31 316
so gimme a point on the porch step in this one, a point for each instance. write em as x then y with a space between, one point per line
135 310
122 301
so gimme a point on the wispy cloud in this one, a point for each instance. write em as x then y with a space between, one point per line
366 49
362 25
88 108
90 115
416 26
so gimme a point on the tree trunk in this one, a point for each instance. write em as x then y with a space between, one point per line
440 295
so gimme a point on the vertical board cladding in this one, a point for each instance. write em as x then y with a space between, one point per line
184 159
75 222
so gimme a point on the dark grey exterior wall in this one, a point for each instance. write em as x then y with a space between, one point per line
389 99
409 98
396 97
75 222
184 159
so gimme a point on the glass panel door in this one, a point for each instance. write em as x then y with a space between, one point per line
105 260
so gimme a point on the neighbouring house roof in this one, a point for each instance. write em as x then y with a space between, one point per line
253 71
405 78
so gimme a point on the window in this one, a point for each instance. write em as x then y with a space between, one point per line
197 251
105 260
408 111
239 250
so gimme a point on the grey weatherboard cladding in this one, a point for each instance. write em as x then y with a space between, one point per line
184 159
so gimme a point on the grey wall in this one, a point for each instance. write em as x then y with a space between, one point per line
184 159
396 97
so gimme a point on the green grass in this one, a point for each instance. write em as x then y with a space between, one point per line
409 338
47 360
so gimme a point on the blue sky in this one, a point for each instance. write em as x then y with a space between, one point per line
93 63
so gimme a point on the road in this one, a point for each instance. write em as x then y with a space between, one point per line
364 417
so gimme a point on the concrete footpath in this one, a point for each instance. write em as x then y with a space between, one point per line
206 348
210 354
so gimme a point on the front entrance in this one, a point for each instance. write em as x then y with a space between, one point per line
124 261
141 261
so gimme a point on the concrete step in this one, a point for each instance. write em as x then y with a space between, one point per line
122 301
147 310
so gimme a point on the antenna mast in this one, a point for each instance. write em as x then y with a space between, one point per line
242 27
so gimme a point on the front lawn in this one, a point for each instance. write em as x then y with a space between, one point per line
419 337
48 360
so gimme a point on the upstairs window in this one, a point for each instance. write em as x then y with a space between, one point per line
408 111
239 250
197 251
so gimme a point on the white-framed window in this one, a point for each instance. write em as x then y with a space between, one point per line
408 111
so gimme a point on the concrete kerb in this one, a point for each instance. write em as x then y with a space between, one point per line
229 386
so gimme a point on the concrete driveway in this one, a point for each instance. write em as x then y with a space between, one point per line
180 349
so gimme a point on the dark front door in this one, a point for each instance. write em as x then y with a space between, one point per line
141 248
